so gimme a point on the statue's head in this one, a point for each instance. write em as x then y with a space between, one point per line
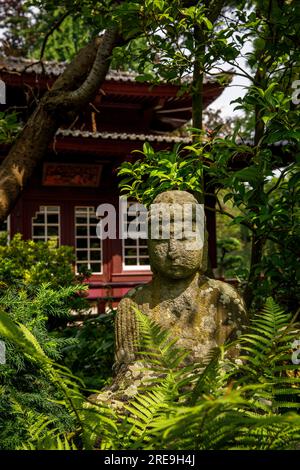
177 235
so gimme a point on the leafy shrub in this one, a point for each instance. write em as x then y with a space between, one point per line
9 127
26 390
229 259
25 264
160 171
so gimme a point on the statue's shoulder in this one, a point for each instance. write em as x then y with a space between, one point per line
224 296
137 295
225 289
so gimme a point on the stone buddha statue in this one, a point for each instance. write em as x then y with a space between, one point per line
201 312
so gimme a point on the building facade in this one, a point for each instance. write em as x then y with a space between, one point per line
79 171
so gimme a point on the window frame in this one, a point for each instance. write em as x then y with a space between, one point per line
46 238
89 262
137 247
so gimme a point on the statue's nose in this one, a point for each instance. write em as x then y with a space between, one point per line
172 251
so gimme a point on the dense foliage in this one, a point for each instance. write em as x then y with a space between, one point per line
25 265
9 127
39 290
145 178
249 403
91 356
25 387
250 168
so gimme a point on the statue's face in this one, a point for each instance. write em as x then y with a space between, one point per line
174 258
176 238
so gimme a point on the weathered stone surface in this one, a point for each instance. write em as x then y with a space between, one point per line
201 312
203 315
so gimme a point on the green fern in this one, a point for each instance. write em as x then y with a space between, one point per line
266 352
156 346
44 431
232 405
219 405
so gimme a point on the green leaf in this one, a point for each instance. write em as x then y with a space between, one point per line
268 117
148 150
208 23
20 335
248 174
227 197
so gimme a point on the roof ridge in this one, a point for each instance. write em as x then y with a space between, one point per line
51 67
122 136
55 68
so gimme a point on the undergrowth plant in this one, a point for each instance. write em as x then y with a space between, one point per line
251 402
25 389
91 355
26 263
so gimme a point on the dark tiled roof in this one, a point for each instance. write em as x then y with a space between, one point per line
147 137
53 68
122 136
22 65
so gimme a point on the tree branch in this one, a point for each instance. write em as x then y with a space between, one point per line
78 97
98 72
40 129
282 175
55 26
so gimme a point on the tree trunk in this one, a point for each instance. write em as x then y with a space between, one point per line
200 35
197 93
258 241
72 90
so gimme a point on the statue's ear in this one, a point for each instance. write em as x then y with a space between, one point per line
204 265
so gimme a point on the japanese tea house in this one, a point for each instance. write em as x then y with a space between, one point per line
79 170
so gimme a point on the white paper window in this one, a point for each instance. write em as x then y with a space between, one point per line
135 252
46 224
87 245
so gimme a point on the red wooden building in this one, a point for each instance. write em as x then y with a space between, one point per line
79 170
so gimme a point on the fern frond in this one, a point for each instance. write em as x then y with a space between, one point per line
156 344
